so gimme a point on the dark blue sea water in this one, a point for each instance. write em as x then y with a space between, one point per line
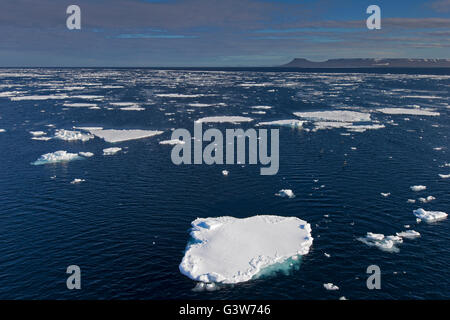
127 225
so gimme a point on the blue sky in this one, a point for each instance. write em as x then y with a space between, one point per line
218 32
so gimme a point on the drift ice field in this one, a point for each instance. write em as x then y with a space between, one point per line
86 178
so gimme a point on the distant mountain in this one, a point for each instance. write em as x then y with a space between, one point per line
370 63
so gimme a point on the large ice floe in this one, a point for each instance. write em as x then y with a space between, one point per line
55 157
232 250
113 135
68 135
430 216
224 119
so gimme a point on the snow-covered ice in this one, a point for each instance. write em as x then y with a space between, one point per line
385 243
113 135
224 119
430 216
232 250
335 115
111 151
294 123
285 193
86 154
77 181
409 111
330 286
37 133
409 234
54 157
418 188
68 135
427 199
172 142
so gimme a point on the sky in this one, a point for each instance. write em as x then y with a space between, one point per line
190 33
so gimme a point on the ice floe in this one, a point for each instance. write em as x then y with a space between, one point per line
409 234
294 123
418 188
86 154
68 135
427 199
382 242
335 115
38 133
224 119
43 97
113 135
444 176
55 157
409 111
430 216
77 181
172 142
232 250
330 286
80 105
285 193
2 130
111 151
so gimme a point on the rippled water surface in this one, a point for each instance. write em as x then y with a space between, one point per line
127 224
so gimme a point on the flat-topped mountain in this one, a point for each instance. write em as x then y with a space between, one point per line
370 63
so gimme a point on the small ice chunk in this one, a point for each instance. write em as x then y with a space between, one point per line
54 157
418 188
327 254
232 250
430 216
86 154
444 176
285 193
172 142
427 199
293 123
225 172
111 151
330 286
385 243
80 105
224 119
77 181
411 201
37 133
2 130
42 138
385 194
409 234
68 135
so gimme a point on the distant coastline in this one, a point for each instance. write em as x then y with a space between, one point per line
369 63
